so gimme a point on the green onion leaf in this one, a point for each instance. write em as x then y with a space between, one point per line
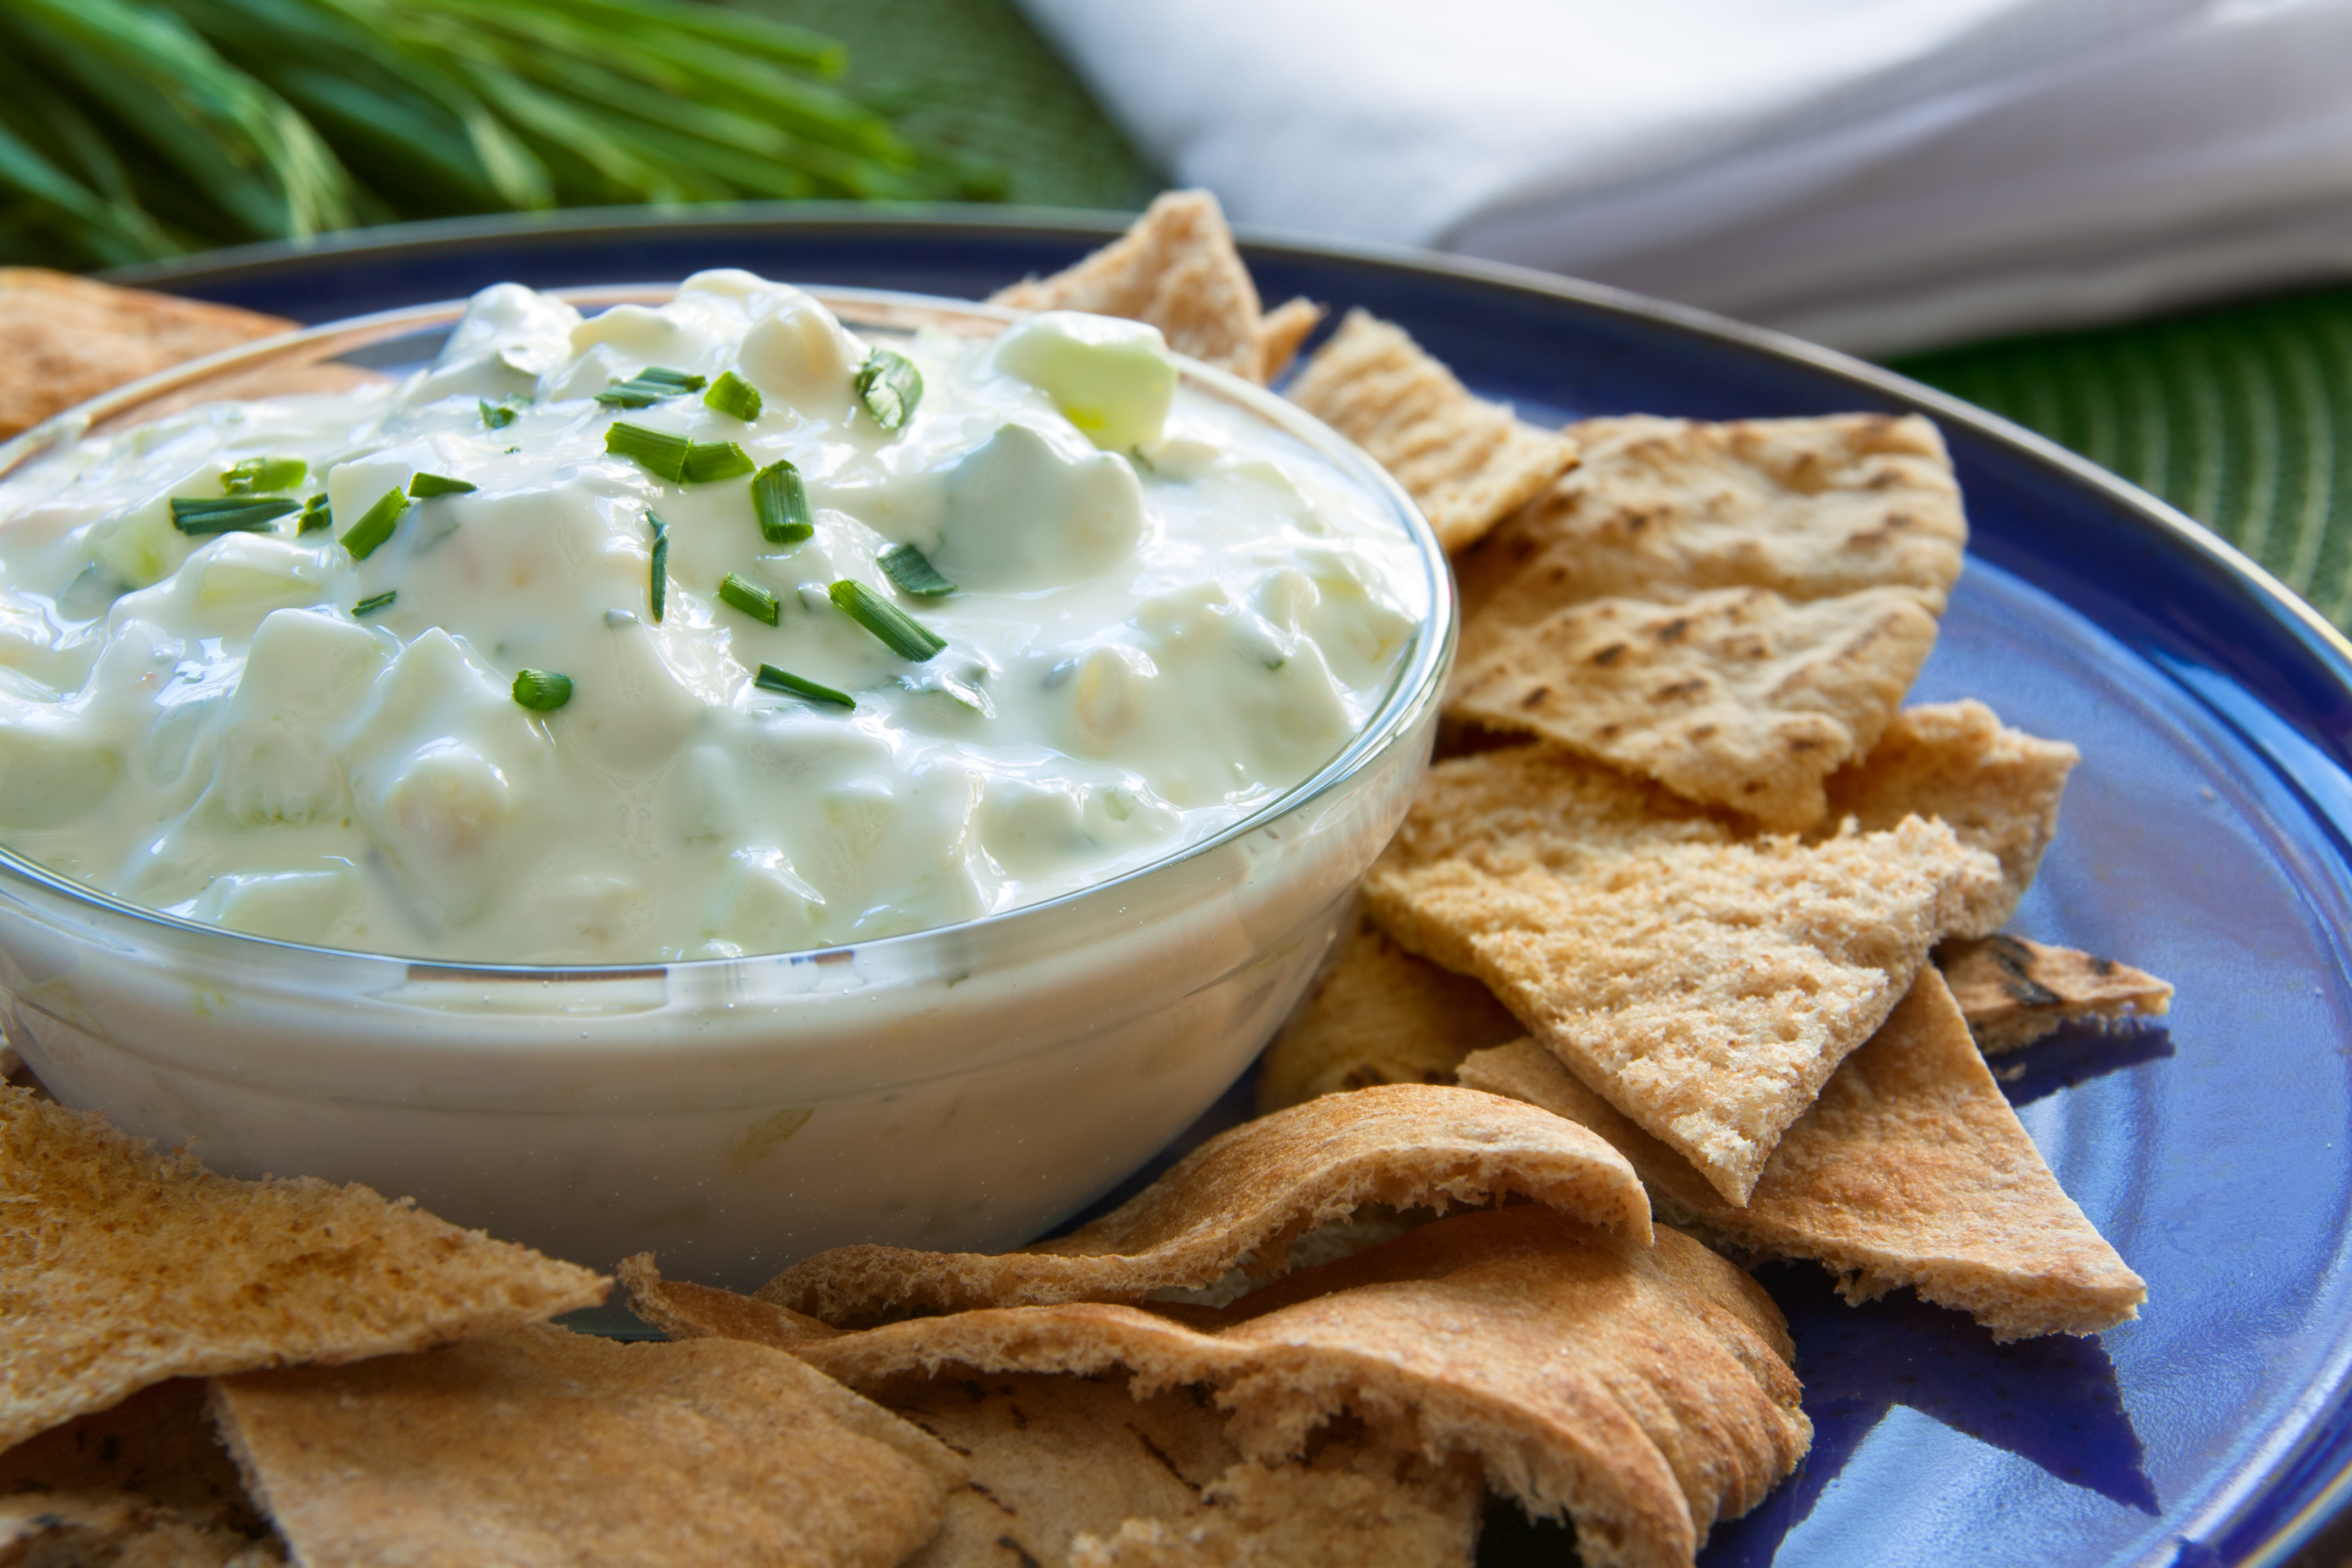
253 474
731 394
316 515
781 502
661 565
889 385
500 415
657 451
649 386
542 690
236 516
425 486
748 597
376 525
911 571
375 602
774 679
900 632
709 460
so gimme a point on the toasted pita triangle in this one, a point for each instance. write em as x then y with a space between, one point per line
1177 269
120 1267
156 1446
2012 992
1468 463
1910 1170
64 339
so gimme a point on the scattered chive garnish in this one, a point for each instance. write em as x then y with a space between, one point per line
316 515
889 385
542 690
659 451
375 602
376 525
425 486
237 515
731 394
500 415
649 386
900 632
709 460
252 474
774 679
748 597
781 502
912 572
661 565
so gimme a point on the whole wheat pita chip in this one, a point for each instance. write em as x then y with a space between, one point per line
120 1267
545 1446
1998 787
1911 1169
1705 982
118 1530
65 339
2012 992
1241 1198
1468 463
1378 1014
1177 269
1736 697
156 1446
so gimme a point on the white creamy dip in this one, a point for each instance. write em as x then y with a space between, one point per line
1162 615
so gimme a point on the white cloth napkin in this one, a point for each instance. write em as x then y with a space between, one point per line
1878 174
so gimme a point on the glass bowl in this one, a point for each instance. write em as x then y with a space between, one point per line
962 1087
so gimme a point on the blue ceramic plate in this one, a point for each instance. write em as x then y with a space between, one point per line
2204 839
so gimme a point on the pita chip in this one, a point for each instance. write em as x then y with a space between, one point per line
64 339
1241 1198
1706 981
545 1446
120 1267
121 1530
2012 992
1466 463
1911 1169
1737 697
1177 268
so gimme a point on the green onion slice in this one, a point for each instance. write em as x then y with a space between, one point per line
889 385
775 680
781 502
500 415
912 572
709 460
376 525
253 474
649 386
237 515
657 451
661 565
748 597
542 690
423 487
375 602
316 515
731 394
900 632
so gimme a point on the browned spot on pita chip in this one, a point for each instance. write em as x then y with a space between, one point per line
120 1267
1998 787
65 339
157 1445
1706 981
1177 269
1910 1170
1737 697
1378 1014
1467 462
2012 992
544 1446
1240 1199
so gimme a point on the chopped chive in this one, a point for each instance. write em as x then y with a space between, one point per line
661 565
900 632
542 690
649 386
781 502
912 572
251 474
500 415
240 515
731 394
376 525
657 451
748 597
709 460
375 602
316 515
423 487
775 680
889 385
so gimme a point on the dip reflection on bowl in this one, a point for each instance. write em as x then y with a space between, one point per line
958 1087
